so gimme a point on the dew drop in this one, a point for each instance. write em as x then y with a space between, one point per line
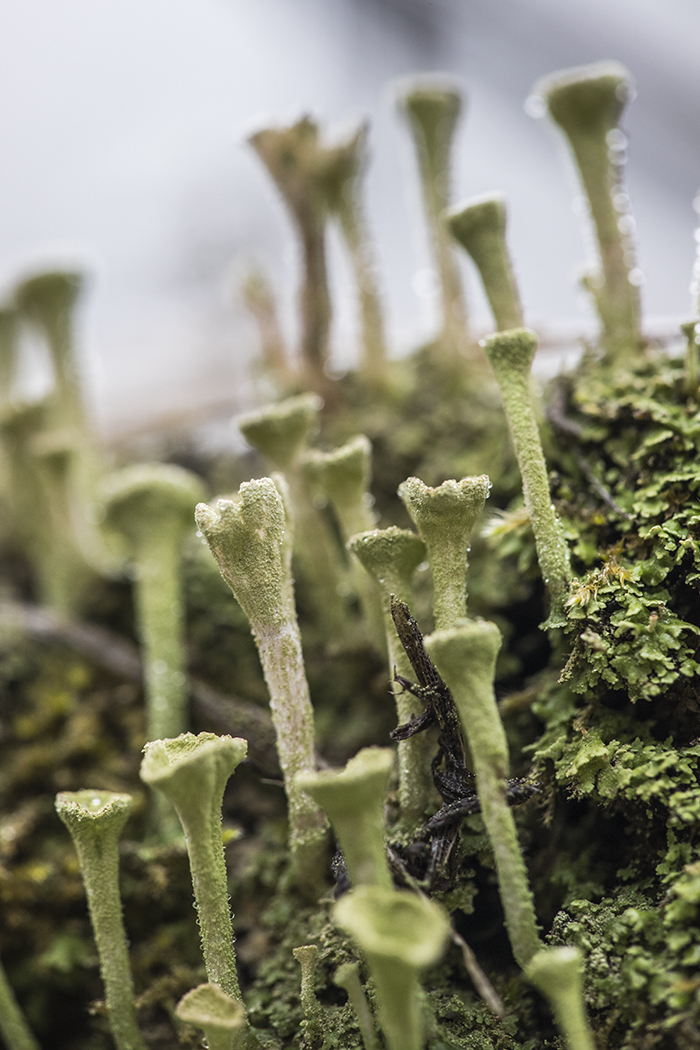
636 277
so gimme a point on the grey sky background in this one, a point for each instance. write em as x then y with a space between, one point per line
123 126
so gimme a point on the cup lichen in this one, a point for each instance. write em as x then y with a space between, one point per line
445 517
248 540
511 354
192 772
400 934
353 800
95 820
479 225
150 506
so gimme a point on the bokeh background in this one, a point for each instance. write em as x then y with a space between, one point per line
123 127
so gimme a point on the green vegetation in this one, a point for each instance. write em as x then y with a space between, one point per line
522 871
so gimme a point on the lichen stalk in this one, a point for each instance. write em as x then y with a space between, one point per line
691 331
280 432
192 772
259 299
293 157
556 973
400 935
343 478
353 800
250 542
479 225
391 556
432 109
306 956
347 977
511 354
47 301
587 103
345 165
465 656
95 820
150 507
445 517
65 577
8 353
13 1025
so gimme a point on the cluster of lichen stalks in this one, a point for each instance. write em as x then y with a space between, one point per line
54 477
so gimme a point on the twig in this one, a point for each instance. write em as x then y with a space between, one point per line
119 656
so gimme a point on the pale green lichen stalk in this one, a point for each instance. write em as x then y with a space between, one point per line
511 354
95 820
391 557
445 517
353 800
46 301
479 226
8 353
343 478
691 331
347 977
306 956
400 934
249 541
150 507
221 1018
280 432
294 158
13 1025
556 972
587 103
432 108
465 656
345 164
192 772
258 297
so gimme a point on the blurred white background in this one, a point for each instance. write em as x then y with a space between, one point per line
123 126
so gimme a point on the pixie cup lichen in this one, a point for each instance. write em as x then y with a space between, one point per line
479 225
280 432
192 772
400 935
306 956
353 800
347 977
445 517
432 107
221 1018
46 301
344 165
95 820
293 156
248 538
465 656
391 557
150 507
557 974
343 477
511 354
587 103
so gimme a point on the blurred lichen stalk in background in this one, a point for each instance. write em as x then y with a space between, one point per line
408 830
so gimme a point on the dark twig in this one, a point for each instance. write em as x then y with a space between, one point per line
121 657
